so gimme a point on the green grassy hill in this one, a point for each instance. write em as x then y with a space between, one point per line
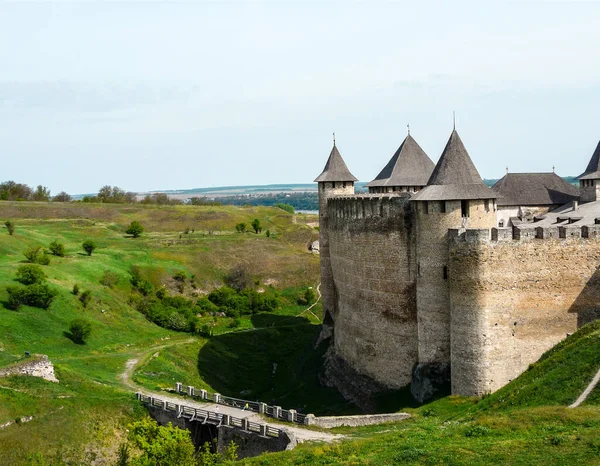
525 423
86 414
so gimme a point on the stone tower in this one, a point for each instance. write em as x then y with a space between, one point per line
589 181
335 179
408 170
454 198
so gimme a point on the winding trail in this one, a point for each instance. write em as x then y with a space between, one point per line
587 391
302 435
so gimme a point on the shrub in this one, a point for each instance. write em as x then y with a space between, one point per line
240 227
43 259
238 279
75 289
109 279
80 330
36 295
180 276
30 274
56 248
32 254
85 298
268 233
89 246
178 322
10 226
162 445
161 293
135 229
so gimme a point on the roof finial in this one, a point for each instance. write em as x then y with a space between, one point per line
507 169
334 138
408 126
453 120
553 168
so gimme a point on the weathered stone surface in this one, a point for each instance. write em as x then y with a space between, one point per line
329 422
430 380
38 366
355 387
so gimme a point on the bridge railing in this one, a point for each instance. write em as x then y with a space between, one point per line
204 416
276 412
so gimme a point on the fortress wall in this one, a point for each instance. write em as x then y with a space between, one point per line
327 190
372 261
513 300
432 286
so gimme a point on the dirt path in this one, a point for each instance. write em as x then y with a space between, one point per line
302 435
587 391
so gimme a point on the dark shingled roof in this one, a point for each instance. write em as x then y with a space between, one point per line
335 169
592 171
455 176
534 189
409 166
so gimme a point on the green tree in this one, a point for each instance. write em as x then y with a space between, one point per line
41 194
240 227
89 246
29 274
85 298
10 226
256 226
162 446
36 295
56 248
80 330
62 197
135 229
32 254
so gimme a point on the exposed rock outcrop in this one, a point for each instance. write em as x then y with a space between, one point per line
36 366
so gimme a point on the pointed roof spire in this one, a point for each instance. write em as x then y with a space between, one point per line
592 171
454 176
409 166
335 168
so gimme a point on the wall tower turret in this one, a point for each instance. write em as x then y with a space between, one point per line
589 181
455 197
334 180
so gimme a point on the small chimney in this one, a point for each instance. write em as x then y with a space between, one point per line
575 205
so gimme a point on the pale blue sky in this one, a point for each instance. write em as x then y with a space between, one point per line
166 95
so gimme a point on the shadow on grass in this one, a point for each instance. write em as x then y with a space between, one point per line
276 365
71 337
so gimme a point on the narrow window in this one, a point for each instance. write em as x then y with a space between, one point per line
464 208
443 207
445 272
344 184
501 224
426 207
486 203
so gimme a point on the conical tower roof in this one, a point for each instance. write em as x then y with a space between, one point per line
409 166
592 171
335 169
455 176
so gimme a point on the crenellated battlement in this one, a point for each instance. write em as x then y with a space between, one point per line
361 206
520 234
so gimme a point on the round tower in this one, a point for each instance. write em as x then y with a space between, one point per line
454 198
335 179
589 181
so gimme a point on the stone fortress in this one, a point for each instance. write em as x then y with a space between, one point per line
436 281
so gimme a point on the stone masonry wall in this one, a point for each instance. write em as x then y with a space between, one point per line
513 300
373 268
327 286
434 219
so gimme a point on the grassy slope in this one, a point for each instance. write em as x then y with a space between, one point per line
89 406
516 425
